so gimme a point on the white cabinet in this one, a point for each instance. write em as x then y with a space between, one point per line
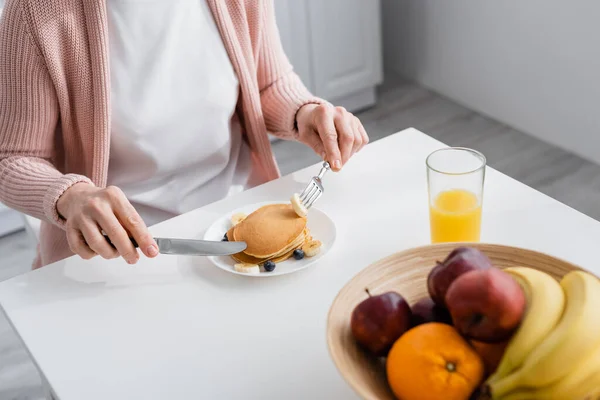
292 21
10 220
335 47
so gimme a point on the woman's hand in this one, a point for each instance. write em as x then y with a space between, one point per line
89 210
332 132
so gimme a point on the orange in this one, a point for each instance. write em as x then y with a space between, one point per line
433 361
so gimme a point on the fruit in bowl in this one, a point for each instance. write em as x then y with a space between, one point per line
486 305
545 305
379 321
425 310
550 347
433 361
458 262
491 354
565 364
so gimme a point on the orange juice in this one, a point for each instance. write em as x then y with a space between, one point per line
455 216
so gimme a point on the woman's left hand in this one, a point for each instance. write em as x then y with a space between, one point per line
332 132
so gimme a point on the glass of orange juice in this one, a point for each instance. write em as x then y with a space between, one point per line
455 178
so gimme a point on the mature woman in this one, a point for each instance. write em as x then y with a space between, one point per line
117 114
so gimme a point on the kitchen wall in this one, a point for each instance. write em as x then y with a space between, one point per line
534 65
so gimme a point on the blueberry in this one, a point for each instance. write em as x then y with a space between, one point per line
269 266
298 254
225 238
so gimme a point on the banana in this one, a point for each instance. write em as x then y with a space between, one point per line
568 345
595 393
312 248
298 206
237 218
545 304
247 268
581 383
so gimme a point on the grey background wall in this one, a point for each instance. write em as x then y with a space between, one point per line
534 65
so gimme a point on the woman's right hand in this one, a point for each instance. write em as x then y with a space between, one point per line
89 210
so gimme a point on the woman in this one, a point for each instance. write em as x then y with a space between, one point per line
117 114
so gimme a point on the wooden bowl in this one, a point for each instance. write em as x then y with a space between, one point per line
405 272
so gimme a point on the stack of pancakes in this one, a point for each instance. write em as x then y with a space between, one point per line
272 233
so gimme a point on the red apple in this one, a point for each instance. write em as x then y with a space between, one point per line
490 353
425 310
458 262
486 305
378 321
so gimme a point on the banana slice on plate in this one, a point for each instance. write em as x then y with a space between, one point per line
298 206
312 248
247 268
237 218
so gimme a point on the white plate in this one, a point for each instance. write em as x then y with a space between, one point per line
320 225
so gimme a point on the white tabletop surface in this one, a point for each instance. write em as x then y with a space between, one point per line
180 328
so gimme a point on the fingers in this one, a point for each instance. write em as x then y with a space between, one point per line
132 222
78 245
329 137
333 133
363 133
118 237
107 210
96 241
94 210
345 132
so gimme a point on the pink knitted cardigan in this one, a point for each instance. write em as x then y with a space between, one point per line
55 99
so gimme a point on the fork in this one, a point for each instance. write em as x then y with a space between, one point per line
314 189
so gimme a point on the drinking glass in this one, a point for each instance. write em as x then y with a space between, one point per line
455 180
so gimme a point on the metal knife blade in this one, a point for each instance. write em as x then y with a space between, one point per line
194 247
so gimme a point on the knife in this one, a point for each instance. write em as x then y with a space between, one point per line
194 247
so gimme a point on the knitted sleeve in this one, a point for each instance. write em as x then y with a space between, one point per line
282 91
29 182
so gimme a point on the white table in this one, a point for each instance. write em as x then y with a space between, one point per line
180 328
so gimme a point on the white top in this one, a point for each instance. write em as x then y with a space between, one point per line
180 328
175 143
